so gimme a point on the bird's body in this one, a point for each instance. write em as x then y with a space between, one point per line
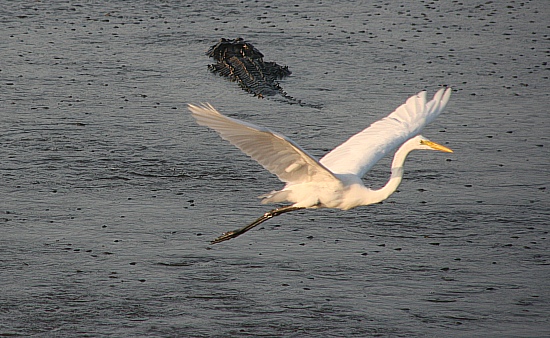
334 181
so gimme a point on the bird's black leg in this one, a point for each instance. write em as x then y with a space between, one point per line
235 233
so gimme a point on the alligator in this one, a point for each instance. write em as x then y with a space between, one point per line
241 62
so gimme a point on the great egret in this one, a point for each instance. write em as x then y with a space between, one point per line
334 181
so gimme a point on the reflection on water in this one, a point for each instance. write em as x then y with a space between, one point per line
111 192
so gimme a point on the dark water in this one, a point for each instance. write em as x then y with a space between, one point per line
110 193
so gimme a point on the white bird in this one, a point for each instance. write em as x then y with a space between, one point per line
334 181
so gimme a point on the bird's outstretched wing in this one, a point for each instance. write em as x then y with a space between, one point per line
360 152
275 152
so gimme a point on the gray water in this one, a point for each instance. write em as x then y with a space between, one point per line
110 192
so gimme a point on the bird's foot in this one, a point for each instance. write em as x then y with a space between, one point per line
224 237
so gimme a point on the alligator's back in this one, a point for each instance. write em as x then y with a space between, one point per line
241 62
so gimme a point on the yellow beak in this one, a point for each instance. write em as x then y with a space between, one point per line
436 146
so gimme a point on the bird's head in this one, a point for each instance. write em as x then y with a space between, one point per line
420 142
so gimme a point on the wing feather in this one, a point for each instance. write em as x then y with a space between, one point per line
275 152
360 152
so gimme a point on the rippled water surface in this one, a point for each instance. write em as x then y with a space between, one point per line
110 192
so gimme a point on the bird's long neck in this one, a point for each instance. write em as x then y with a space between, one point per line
396 175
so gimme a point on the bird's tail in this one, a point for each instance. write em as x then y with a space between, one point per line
274 197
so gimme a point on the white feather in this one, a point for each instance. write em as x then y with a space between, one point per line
275 152
363 150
